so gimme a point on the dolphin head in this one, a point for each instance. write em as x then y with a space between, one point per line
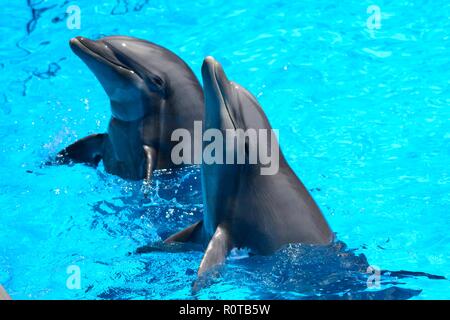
133 82
230 106
227 104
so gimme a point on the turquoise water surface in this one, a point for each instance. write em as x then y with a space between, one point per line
363 115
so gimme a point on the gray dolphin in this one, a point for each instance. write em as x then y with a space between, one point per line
243 208
152 93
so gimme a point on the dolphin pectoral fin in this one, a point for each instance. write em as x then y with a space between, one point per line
217 250
88 150
215 255
150 164
185 240
190 234
3 294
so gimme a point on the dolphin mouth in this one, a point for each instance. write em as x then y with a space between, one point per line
215 76
101 52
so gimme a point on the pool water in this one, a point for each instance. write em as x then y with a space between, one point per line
363 116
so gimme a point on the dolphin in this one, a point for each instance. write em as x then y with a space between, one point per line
152 92
242 207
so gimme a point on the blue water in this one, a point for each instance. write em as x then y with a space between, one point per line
363 116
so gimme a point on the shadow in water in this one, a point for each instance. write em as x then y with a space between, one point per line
320 272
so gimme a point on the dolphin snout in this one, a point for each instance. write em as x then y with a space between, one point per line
209 60
208 73
81 41
213 75
96 53
82 46
210 82
86 45
74 41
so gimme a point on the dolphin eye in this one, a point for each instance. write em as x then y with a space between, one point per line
156 83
